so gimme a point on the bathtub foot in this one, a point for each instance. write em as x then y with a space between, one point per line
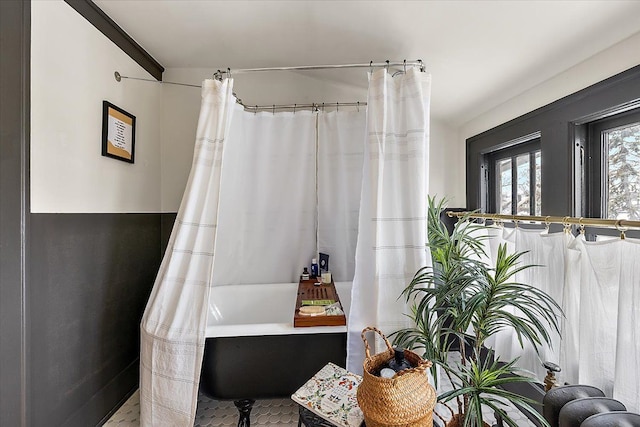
244 408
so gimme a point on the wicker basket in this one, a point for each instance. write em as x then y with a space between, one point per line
406 400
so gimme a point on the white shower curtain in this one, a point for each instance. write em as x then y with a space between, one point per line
173 325
392 221
340 153
267 230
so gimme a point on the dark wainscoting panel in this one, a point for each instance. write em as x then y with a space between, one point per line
168 219
90 276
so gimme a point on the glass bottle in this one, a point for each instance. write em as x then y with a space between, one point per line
315 271
399 363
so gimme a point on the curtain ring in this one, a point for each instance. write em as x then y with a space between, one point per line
371 67
273 111
256 110
387 66
294 108
546 222
337 107
566 224
405 66
358 106
228 72
323 107
621 229
581 225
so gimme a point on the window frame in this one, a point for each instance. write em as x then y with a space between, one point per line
528 147
596 166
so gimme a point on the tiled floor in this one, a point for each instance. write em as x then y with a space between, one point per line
274 413
214 413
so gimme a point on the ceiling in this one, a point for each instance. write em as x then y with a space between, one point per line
480 53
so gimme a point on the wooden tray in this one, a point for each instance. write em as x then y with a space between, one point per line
307 290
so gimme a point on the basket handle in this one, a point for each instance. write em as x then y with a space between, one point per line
366 343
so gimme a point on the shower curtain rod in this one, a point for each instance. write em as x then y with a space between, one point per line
619 224
315 106
371 64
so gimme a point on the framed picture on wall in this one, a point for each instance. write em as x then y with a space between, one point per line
118 133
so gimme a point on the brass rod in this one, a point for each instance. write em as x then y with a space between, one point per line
619 224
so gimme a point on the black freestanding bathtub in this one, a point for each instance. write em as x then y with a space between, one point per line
252 350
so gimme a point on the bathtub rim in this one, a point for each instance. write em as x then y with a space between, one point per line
282 328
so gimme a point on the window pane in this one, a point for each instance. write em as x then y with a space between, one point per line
623 189
538 189
504 186
523 186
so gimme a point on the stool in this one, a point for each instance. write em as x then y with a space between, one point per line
330 388
309 419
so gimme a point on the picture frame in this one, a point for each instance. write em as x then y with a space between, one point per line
118 133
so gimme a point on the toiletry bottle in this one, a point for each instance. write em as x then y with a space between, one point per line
305 274
315 272
399 363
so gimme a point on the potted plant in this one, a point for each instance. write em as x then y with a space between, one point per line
458 303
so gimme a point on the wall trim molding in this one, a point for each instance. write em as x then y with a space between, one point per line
107 26
15 86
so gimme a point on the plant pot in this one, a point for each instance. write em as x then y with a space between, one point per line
458 421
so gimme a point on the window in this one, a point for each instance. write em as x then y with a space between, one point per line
573 169
614 167
514 179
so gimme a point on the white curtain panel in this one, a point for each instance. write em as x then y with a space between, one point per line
548 253
626 384
502 342
393 205
173 325
341 138
605 317
267 230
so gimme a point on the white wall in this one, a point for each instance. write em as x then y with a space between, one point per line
618 58
446 165
72 66
181 106
607 63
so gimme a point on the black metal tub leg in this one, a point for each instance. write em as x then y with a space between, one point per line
244 408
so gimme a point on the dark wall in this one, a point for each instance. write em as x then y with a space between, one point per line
90 278
72 286
168 219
